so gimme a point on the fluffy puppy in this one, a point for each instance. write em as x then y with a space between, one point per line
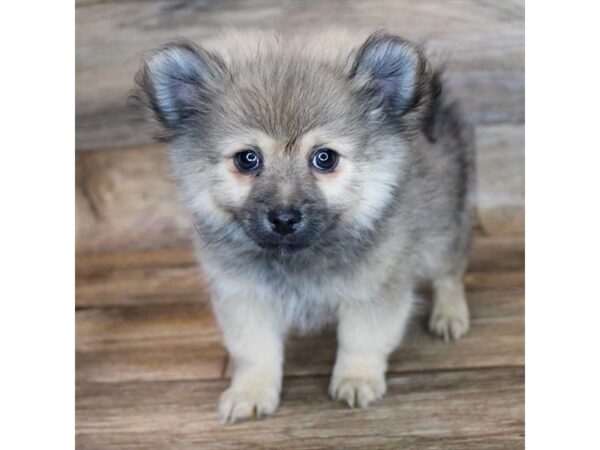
327 175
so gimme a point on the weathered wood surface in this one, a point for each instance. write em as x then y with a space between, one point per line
148 343
481 43
134 278
468 409
501 178
126 200
150 366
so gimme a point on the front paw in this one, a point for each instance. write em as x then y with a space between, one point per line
250 400
357 390
449 321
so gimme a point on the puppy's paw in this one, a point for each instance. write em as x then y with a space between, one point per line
250 401
357 390
449 321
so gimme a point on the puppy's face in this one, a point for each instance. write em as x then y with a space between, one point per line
285 150
286 192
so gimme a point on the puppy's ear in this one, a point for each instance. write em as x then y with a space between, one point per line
175 83
393 71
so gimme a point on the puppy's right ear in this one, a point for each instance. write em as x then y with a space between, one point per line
175 83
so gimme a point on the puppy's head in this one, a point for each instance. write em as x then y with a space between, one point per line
288 144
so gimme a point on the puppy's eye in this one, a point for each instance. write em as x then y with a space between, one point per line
247 161
324 160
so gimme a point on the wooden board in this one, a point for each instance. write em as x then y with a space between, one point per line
138 278
148 342
458 409
169 350
481 43
126 201
501 178
150 367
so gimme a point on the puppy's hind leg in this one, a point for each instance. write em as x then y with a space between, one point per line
450 313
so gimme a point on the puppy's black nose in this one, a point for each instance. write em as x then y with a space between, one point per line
285 221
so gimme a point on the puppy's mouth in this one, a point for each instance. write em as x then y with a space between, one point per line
282 245
273 242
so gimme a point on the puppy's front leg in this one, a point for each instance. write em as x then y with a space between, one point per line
254 338
367 334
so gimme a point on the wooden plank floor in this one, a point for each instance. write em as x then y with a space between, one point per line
150 367
465 409
149 359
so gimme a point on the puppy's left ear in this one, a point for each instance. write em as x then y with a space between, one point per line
394 73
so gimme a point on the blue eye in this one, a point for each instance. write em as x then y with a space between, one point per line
247 161
324 160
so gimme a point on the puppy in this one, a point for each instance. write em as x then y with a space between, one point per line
326 175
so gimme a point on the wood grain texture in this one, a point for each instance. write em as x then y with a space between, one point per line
481 43
111 282
497 253
501 178
148 343
459 409
149 376
132 204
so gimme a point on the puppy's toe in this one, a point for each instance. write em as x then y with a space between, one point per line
357 391
237 404
449 322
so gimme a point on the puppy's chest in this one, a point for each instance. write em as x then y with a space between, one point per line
305 300
313 287
306 287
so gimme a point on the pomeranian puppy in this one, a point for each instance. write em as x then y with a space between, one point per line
327 176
